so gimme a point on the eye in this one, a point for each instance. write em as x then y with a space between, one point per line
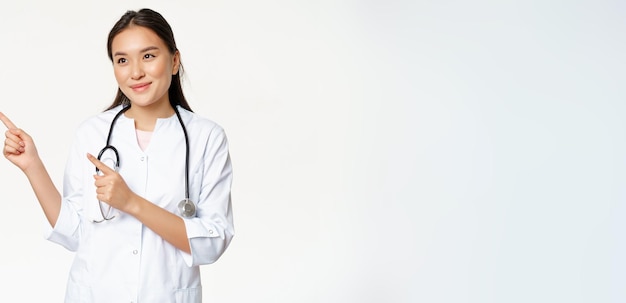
148 56
121 60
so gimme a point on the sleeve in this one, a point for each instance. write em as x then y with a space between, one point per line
212 230
66 231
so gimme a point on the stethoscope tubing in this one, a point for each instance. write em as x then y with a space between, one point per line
186 207
186 153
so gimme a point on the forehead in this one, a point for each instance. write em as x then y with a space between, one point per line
136 38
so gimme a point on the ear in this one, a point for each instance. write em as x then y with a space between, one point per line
175 63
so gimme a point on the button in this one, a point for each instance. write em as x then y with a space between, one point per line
142 158
210 232
135 252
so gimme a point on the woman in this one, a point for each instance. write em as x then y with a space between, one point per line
135 240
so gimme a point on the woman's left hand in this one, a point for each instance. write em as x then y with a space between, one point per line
111 187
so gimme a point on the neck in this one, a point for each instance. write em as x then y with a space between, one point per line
146 116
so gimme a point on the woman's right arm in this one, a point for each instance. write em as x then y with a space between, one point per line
19 148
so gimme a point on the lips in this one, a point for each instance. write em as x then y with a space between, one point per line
140 87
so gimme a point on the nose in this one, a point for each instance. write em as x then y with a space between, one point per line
137 71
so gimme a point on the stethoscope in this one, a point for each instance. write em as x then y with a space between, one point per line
186 207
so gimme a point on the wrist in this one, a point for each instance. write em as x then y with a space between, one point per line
134 205
34 169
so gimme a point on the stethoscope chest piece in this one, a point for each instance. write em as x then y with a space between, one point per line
186 208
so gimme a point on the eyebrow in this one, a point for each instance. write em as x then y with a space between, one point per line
149 48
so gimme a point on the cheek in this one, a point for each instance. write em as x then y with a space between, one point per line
120 75
157 70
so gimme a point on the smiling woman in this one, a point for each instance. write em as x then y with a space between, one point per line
143 69
148 245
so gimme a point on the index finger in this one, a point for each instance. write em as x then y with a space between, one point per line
7 122
99 165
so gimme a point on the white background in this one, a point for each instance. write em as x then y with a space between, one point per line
384 151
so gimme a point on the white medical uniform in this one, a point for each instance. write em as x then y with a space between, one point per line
121 260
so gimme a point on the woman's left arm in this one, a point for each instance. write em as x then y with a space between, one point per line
212 230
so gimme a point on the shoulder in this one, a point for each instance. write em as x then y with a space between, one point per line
98 122
200 124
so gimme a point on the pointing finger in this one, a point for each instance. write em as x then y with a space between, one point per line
99 165
7 122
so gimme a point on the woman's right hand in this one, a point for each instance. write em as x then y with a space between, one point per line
19 147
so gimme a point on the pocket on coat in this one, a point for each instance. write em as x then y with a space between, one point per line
188 295
76 292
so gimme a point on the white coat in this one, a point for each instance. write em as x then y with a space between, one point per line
121 260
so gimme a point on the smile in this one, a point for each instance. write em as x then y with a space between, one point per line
140 87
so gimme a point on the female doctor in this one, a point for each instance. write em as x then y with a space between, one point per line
146 190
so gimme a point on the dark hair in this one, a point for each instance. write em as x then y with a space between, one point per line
154 21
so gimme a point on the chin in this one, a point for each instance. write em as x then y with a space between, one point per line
139 101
